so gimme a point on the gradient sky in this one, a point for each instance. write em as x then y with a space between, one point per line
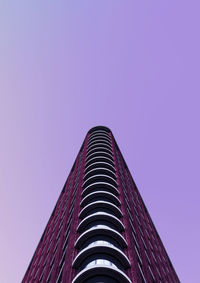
66 66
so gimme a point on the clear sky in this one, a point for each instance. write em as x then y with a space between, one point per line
66 66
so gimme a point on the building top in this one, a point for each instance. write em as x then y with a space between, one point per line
98 128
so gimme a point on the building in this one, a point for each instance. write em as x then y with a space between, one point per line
100 230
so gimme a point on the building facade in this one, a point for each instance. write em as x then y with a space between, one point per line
100 230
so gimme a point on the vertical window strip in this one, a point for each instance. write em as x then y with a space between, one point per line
42 274
152 275
138 255
142 274
158 272
147 256
59 278
135 240
49 276
144 243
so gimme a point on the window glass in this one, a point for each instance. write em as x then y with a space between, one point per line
101 262
100 226
100 242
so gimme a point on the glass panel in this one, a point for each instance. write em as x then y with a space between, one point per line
101 262
100 242
100 226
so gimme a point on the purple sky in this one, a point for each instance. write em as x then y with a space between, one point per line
66 66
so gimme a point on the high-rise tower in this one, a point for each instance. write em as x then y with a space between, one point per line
100 230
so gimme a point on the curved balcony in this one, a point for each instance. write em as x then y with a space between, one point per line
100 238
101 272
99 148
96 206
100 186
104 130
99 164
100 232
99 158
99 153
100 242
99 133
99 178
99 136
99 129
96 141
100 195
100 170
104 250
99 144
99 140
97 217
